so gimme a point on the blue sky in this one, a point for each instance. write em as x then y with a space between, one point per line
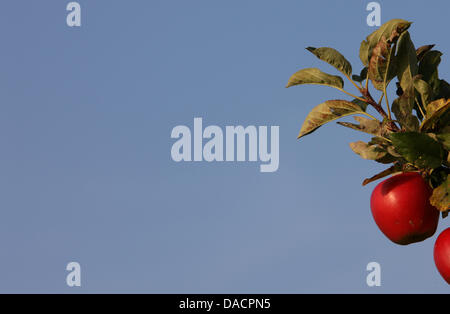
86 172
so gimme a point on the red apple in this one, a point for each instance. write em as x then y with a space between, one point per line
402 210
442 254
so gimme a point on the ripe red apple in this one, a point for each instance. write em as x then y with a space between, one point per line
402 210
442 254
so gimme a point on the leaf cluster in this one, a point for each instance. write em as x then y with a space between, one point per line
413 134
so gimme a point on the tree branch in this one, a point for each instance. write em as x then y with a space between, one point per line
365 92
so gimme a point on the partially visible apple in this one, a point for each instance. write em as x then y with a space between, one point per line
442 254
402 210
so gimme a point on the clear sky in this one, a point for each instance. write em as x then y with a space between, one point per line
86 173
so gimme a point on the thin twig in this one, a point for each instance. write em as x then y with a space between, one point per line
420 107
385 81
381 98
378 108
387 102
370 116
348 77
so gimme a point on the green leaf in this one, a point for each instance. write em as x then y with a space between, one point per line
424 90
387 159
435 110
444 138
381 65
326 112
424 95
421 51
438 176
441 196
365 125
402 108
390 30
418 149
362 75
394 169
364 52
366 151
446 129
315 76
386 145
383 142
406 59
391 150
428 68
435 106
333 57
443 90
360 103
